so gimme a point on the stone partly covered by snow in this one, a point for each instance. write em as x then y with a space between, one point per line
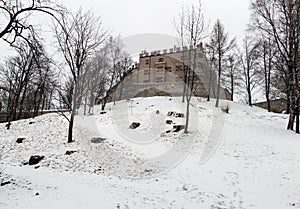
177 128
97 140
244 159
20 140
35 159
70 152
134 125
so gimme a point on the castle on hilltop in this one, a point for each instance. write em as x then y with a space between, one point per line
161 72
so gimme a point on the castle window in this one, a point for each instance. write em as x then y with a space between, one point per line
160 69
147 62
160 59
168 69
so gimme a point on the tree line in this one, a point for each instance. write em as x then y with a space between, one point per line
267 61
31 82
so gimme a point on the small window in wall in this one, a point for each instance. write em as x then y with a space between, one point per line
160 69
160 59
168 69
147 62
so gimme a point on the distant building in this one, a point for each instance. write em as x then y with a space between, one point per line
162 73
277 105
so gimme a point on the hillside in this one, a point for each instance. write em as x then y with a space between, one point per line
244 159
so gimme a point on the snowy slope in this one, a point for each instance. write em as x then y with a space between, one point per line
244 159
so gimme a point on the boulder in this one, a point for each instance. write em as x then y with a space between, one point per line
69 152
97 140
177 128
134 125
179 115
5 183
20 140
170 113
169 122
35 159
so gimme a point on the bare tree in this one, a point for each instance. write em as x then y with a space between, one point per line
210 54
231 73
16 15
268 50
116 68
220 43
27 79
181 30
191 29
250 65
281 20
78 36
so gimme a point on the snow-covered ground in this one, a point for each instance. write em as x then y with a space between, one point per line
244 159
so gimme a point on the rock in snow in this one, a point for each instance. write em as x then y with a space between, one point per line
35 159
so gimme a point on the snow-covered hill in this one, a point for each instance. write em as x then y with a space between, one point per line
244 159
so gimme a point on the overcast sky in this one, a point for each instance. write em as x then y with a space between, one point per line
133 17
156 16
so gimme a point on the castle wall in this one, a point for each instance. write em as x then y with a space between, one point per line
164 71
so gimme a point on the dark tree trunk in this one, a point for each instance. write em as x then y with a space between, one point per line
73 112
184 84
219 80
297 116
232 86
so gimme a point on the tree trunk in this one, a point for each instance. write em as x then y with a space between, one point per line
70 133
73 112
187 116
103 103
85 104
219 82
297 116
184 84
209 84
249 96
232 86
291 120
288 103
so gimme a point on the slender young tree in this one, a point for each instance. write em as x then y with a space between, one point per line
78 37
219 41
249 59
192 30
231 74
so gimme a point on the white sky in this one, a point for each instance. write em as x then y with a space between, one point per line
134 17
